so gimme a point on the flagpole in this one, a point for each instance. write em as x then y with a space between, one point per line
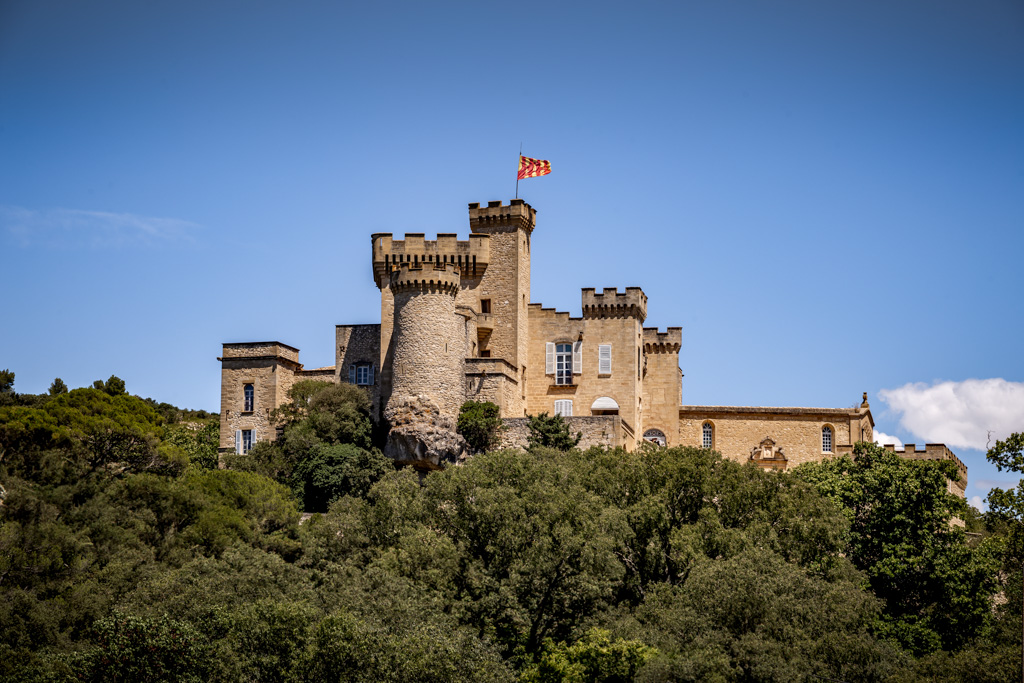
519 161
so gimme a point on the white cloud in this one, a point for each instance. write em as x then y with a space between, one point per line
79 228
977 502
959 414
881 438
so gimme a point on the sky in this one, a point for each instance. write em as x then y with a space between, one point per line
827 196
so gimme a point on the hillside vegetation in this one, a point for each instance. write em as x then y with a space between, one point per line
127 555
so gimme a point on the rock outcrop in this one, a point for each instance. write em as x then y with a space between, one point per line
421 436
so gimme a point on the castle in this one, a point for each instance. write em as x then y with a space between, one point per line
457 325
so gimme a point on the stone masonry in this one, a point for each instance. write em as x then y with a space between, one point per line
457 323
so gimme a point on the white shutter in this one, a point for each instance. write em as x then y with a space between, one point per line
238 441
549 358
604 359
563 407
352 374
577 358
370 381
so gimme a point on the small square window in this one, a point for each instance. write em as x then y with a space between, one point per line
485 305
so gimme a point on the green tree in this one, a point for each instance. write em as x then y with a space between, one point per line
58 387
130 648
551 432
595 658
6 382
332 471
937 588
479 422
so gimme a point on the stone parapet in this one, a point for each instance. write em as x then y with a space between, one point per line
608 431
932 451
669 341
470 256
496 217
269 350
612 304
443 278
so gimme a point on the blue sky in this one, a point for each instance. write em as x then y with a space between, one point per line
828 197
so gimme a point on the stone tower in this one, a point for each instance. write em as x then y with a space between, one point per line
426 359
429 349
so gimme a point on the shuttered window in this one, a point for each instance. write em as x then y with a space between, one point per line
604 359
361 374
549 358
577 358
563 407
243 441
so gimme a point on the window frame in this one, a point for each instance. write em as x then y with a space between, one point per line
563 364
248 397
828 434
707 434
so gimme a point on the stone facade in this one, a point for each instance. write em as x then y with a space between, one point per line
457 324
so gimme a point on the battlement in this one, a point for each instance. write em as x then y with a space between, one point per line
270 350
539 312
669 341
425 277
932 451
496 217
611 304
471 256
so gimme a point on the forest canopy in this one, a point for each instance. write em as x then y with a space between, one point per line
126 553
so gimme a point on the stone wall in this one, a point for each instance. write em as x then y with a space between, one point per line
662 382
354 345
797 431
597 430
623 384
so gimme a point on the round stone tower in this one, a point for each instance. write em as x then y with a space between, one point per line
429 349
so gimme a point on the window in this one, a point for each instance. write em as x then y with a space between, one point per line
563 360
655 436
563 407
243 441
485 306
249 394
708 435
361 374
826 439
563 364
604 359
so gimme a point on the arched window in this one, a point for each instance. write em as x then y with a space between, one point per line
655 436
708 435
826 439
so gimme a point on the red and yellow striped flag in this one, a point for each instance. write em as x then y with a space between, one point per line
531 168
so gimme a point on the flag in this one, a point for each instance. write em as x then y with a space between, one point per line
531 168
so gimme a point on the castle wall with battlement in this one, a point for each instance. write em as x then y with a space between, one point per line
457 324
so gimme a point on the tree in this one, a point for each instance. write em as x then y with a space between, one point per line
58 387
937 588
479 422
551 432
6 382
332 471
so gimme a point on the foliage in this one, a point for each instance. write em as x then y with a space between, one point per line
937 589
6 382
58 387
479 422
594 658
114 385
551 432
198 440
332 471
651 565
